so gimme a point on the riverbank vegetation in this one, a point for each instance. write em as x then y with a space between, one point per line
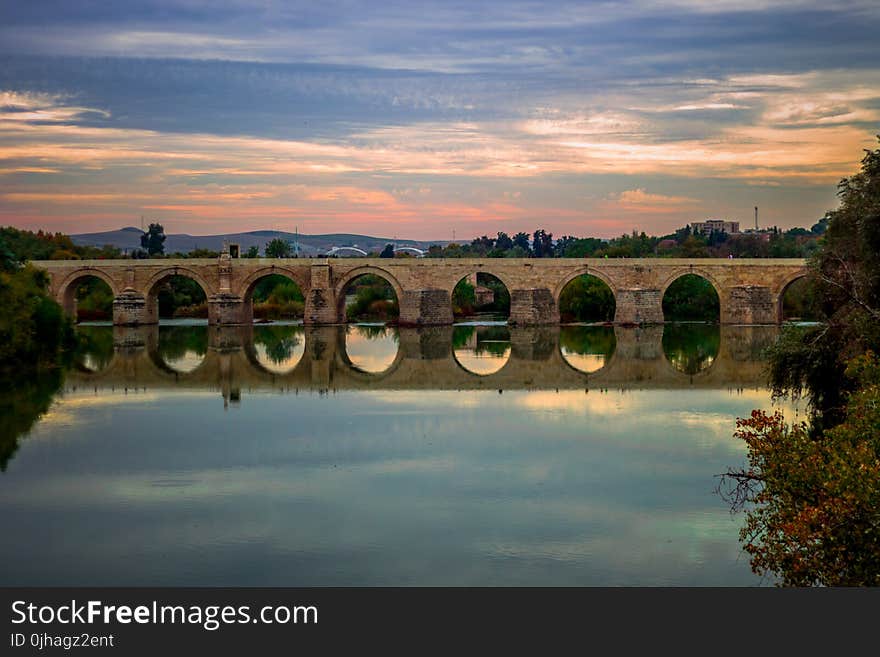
371 298
277 297
812 490
691 298
488 296
586 299
36 341
34 332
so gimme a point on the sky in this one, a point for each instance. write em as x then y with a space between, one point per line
428 120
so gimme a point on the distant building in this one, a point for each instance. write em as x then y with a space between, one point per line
715 225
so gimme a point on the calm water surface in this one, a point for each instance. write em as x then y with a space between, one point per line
366 455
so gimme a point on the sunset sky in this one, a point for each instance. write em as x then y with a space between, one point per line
414 119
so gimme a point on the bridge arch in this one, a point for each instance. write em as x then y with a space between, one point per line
571 278
783 289
151 289
693 271
585 271
499 305
249 284
66 294
357 272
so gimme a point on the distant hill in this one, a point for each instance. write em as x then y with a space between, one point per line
129 239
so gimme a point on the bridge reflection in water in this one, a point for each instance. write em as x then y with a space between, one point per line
284 358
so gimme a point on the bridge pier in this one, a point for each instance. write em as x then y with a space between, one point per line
227 310
533 307
130 309
638 306
430 307
321 306
750 304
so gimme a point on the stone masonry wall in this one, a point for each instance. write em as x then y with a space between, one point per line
749 288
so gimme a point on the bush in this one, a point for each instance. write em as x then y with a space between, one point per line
34 331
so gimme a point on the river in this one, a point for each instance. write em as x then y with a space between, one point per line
367 455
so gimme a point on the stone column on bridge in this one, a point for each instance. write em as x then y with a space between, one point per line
533 306
321 307
638 306
432 307
750 304
226 308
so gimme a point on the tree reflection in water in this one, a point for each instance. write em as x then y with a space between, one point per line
371 348
587 348
691 348
95 347
183 348
23 401
279 348
481 349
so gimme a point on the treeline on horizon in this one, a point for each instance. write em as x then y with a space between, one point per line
585 299
26 245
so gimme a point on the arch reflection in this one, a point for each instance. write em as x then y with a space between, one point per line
371 348
691 348
587 348
481 350
279 348
94 348
182 348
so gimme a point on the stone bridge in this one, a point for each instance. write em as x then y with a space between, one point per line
750 290
426 360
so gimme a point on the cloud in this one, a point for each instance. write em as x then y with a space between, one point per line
639 197
585 117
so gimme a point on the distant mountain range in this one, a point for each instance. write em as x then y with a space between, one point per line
129 239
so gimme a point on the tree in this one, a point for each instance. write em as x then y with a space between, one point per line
252 252
278 248
815 503
587 299
153 240
846 276
387 252
522 241
503 241
813 490
542 244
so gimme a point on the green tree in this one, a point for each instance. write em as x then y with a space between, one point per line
845 273
33 329
586 299
252 252
691 298
387 252
153 240
812 491
203 253
277 248
503 241
464 298
542 244
521 240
